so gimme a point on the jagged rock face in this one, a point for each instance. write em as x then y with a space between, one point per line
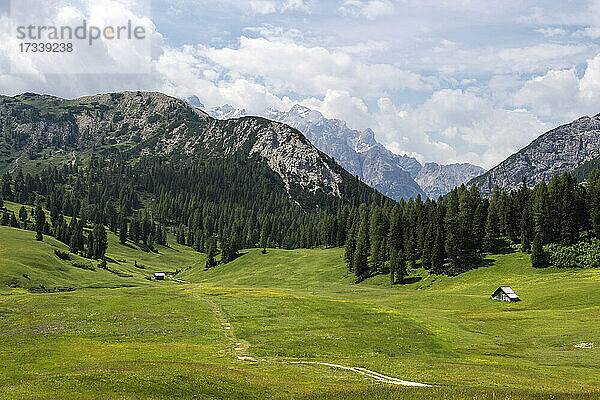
227 112
357 151
155 124
557 151
295 160
438 180
194 101
360 154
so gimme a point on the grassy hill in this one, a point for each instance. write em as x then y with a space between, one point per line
124 336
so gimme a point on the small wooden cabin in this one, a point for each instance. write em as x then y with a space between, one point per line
159 276
505 293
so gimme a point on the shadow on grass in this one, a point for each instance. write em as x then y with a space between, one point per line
408 281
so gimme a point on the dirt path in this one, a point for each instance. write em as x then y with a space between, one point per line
363 371
238 349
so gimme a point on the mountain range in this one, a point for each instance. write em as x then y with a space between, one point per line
396 176
40 130
573 147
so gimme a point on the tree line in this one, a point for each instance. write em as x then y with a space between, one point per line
223 205
450 235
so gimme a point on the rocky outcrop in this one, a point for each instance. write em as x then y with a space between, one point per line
557 151
396 176
437 180
139 123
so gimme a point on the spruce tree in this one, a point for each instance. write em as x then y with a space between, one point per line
393 265
123 230
40 222
542 219
402 271
439 253
526 231
91 246
211 252
350 247
100 240
538 256
361 255
23 213
452 230
594 201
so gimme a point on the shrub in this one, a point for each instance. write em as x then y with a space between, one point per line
84 266
63 255
581 255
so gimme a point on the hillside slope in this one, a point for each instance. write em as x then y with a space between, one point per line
43 130
396 176
557 151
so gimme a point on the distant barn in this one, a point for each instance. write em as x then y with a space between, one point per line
505 293
159 276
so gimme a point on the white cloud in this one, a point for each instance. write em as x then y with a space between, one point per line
591 32
262 6
493 60
266 7
291 67
561 95
551 32
473 103
369 9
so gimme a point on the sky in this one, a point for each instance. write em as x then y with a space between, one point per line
441 80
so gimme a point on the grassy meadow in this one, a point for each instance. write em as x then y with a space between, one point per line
235 331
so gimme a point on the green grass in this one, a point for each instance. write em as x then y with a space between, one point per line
116 337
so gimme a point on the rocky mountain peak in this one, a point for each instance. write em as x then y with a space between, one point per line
560 150
361 154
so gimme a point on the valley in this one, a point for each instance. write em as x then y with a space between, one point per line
130 337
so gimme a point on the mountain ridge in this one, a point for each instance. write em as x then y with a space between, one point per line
362 155
39 128
562 149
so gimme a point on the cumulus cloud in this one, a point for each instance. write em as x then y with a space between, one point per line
476 104
291 67
451 60
562 94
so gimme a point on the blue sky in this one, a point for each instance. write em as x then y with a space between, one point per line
445 81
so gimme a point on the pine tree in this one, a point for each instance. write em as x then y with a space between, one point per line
123 230
439 252
211 252
538 256
100 242
361 255
526 230
40 222
594 200
23 213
